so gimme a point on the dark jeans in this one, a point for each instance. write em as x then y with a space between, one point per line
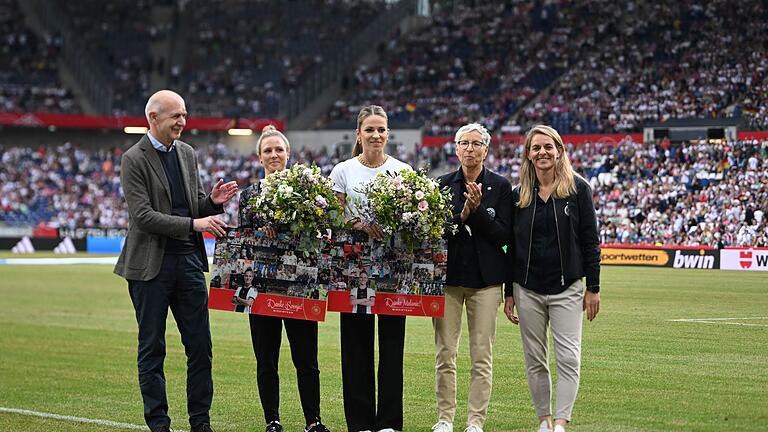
180 285
357 370
266 335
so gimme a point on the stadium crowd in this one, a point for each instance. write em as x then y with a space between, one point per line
118 36
675 60
583 67
692 194
459 66
29 77
242 56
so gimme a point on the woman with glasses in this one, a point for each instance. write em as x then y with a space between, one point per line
554 243
273 150
475 274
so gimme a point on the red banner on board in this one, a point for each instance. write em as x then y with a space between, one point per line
270 304
392 304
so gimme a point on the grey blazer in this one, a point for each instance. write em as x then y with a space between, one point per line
148 195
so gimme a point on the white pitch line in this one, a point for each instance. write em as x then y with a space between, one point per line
59 261
731 323
727 321
719 319
108 423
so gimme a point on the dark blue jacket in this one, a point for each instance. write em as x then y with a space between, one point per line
490 224
577 236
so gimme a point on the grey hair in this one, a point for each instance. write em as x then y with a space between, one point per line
484 134
157 99
151 106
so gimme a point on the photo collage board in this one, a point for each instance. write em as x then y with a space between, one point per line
255 274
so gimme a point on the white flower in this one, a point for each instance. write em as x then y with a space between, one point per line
321 202
285 189
419 195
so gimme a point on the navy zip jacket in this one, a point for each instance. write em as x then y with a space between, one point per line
489 224
577 232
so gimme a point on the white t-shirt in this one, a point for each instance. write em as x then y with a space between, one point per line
361 293
250 295
351 174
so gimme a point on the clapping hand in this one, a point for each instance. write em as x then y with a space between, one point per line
472 197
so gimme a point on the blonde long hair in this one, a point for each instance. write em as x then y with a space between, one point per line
366 112
565 182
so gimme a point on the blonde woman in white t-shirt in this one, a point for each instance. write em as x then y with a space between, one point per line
357 330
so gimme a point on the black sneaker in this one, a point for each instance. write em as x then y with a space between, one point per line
317 427
163 428
202 427
274 426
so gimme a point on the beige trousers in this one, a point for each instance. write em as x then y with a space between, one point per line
482 308
563 314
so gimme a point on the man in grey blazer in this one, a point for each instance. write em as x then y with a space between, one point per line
164 258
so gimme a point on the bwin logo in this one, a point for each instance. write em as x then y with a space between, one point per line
694 261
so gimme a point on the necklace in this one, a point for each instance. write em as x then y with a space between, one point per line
368 165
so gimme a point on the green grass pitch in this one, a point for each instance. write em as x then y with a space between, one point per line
68 346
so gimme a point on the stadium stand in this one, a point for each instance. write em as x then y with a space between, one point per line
118 35
583 67
242 56
460 66
693 194
673 60
29 79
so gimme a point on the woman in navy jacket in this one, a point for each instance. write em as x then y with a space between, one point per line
554 244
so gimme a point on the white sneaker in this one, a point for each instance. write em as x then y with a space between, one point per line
544 426
442 426
559 428
386 430
473 428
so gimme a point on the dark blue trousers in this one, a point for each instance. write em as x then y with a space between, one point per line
180 286
266 336
362 408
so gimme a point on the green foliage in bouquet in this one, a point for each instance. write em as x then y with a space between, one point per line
300 200
410 204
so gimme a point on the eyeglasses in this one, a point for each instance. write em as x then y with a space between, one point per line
465 144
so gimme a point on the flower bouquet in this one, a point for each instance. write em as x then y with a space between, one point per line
300 200
409 203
